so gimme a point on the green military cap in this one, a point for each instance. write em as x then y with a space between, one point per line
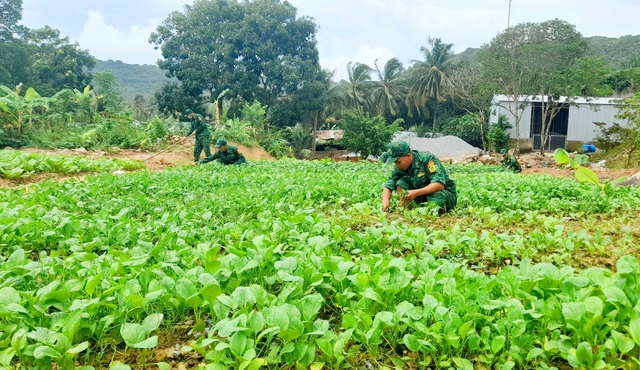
396 150
503 151
188 112
221 142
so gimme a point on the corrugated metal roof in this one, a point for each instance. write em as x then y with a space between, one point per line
576 100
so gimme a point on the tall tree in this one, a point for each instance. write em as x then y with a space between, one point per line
358 87
56 63
390 89
533 59
110 97
472 94
10 16
430 74
172 98
13 52
258 49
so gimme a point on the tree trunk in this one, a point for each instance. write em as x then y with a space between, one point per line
313 138
482 133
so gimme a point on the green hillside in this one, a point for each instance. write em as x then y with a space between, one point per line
621 53
134 79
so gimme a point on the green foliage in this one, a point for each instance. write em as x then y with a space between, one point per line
109 97
366 135
157 129
623 139
252 128
497 135
56 63
466 128
173 98
618 52
258 50
582 174
590 76
300 138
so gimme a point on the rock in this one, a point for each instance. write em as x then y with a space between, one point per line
118 172
486 159
79 150
631 181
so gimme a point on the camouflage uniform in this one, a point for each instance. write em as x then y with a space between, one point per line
203 137
510 162
425 169
231 156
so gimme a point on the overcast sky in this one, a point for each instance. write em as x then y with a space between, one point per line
349 30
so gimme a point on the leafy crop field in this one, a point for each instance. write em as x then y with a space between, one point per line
15 164
292 265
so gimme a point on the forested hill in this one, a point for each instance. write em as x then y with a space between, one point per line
134 79
620 53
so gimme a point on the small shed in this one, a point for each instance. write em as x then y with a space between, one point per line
573 126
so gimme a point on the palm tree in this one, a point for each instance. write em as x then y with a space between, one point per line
357 88
389 89
431 74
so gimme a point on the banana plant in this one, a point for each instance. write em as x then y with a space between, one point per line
19 108
584 174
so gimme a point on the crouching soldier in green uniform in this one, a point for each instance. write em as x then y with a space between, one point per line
203 136
417 177
226 154
510 162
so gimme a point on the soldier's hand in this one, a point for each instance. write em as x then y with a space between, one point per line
385 205
410 195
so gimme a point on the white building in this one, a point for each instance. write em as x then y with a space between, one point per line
573 126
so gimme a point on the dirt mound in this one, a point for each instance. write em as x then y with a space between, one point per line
253 153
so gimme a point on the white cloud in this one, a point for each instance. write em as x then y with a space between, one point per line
105 41
364 53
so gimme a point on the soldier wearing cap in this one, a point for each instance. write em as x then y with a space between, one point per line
510 162
203 136
226 154
419 177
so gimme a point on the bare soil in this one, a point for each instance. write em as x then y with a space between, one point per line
534 163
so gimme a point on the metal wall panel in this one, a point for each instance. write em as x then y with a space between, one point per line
525 121
582 116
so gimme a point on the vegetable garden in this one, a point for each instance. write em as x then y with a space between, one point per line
292 265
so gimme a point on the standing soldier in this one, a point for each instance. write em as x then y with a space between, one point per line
418 176
203 136
226 154
510 162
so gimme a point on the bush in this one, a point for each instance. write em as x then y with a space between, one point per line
466 128
366 135
497 135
